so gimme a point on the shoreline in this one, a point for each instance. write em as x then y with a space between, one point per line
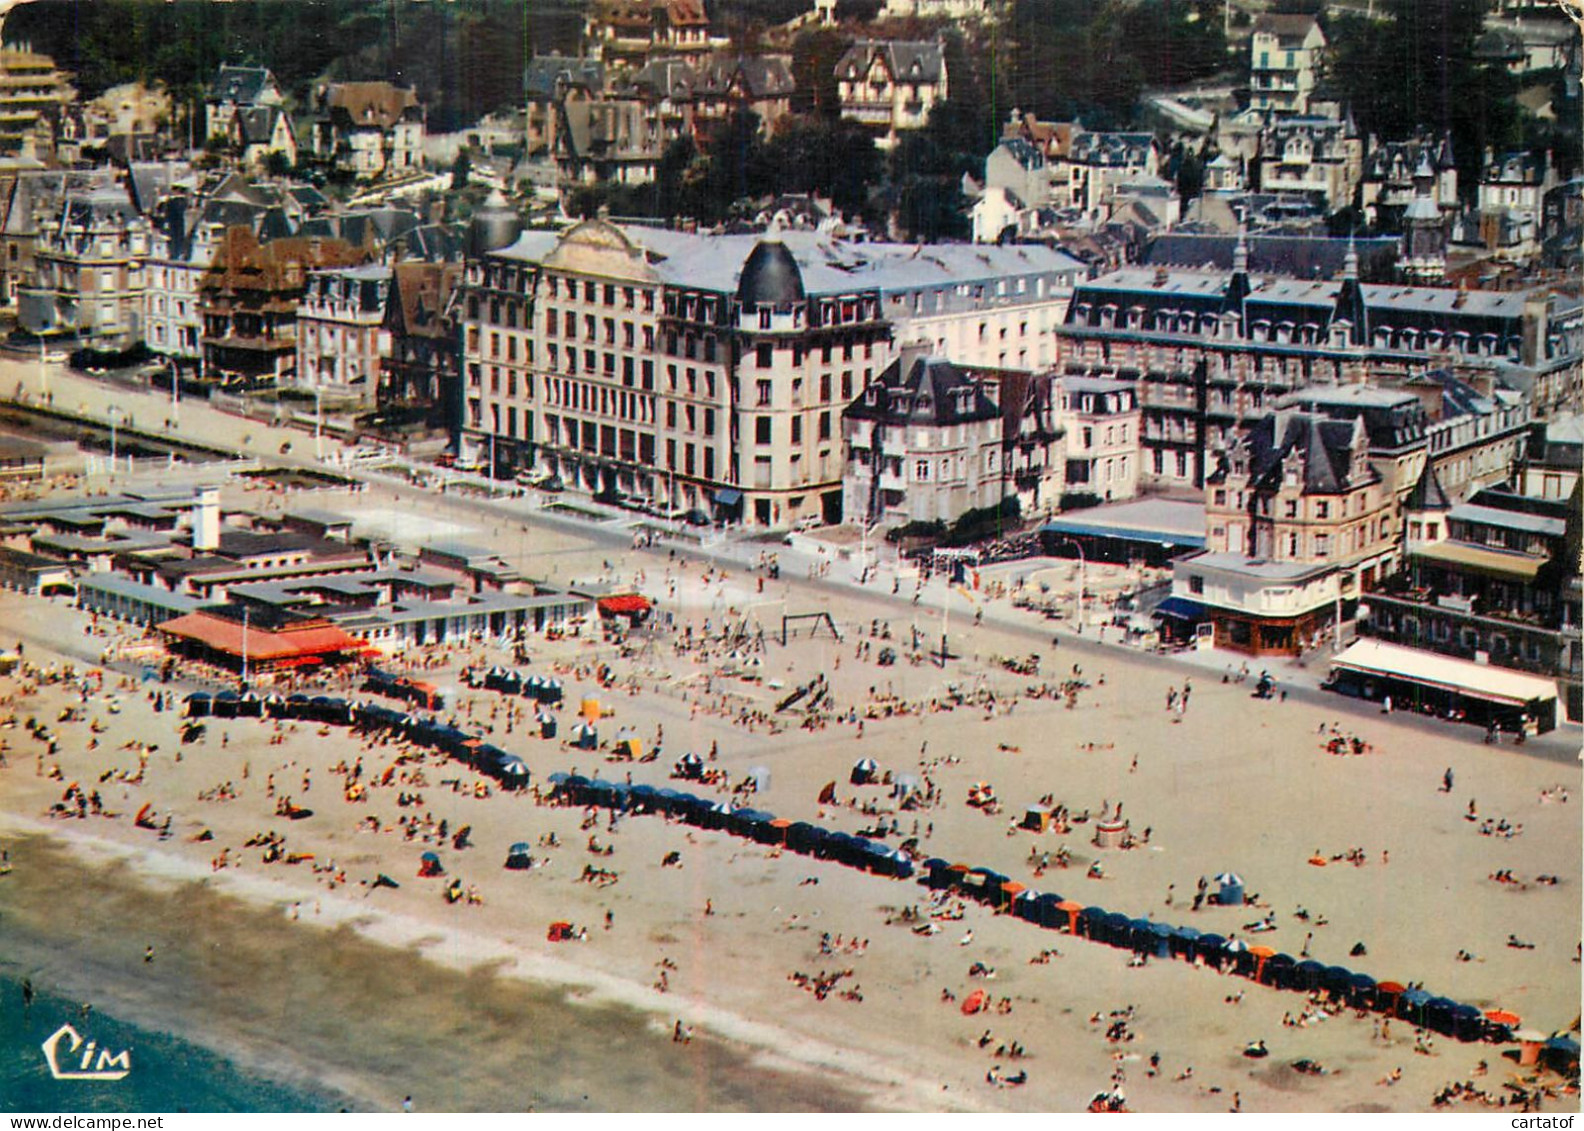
466 952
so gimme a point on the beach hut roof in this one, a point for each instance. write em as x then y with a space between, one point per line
521 848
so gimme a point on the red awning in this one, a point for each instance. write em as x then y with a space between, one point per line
229 637
625 604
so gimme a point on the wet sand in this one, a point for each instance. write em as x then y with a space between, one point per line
327 1008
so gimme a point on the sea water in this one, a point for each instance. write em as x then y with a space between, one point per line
167 1073
240 1008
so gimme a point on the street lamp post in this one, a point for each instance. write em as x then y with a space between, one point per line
114 414
1082 573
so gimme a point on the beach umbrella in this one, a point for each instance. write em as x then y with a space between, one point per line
1503 1017
1361 990
1071 910
1051 916
1411 1005
1468 1023
901 866
1438 1015
1562 1050
1278 970
1229 879
513 771
864 771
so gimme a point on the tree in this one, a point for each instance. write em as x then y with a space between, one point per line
461 167
814 58
1416 70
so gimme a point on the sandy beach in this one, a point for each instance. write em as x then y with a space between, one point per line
730 938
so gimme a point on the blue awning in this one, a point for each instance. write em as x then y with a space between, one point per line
1181 608
728 496
1123 533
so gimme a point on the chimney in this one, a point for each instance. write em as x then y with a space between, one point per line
206 520
1536 328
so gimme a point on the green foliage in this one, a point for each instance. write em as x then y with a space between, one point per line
814 57
971 526
980 523
1416 70
912 531
465 59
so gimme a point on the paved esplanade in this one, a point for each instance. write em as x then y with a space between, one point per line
575 546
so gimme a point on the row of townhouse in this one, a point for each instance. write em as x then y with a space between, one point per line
704 370
364 130
1210 351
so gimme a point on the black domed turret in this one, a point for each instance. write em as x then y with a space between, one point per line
770 277
495 225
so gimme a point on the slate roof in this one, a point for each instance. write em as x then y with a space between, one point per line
1288 28
1024 153
545 74
1325 446
1299 257
256 124
928 391
419 294
906 60
1515 168
242 85
1121 150
1427 494
826 265
762 76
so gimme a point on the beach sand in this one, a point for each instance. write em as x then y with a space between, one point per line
1232 784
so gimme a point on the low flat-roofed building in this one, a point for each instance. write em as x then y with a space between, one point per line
483 567
112 595
21 460
1259 607
1431 684
319 524
496 616
33 573
1153 530
213 636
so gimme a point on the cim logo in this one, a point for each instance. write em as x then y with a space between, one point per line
105 1067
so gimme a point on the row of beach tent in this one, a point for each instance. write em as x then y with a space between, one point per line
486 758
1261 964
507 681
1049 910
752 824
